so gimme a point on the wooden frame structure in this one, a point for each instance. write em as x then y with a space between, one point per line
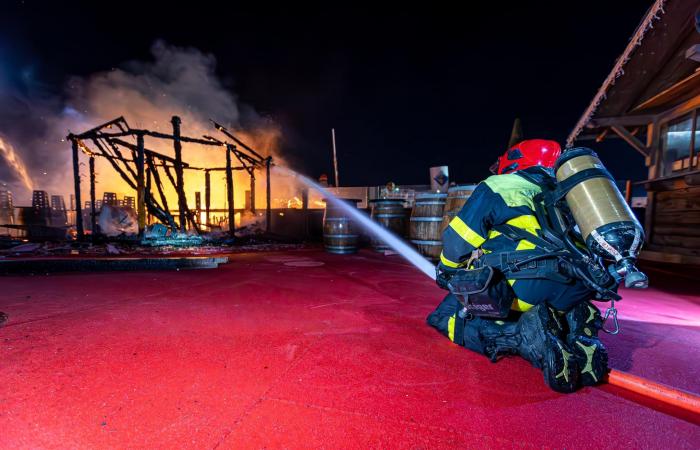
139 167
654 85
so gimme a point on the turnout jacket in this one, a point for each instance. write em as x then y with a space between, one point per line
500 199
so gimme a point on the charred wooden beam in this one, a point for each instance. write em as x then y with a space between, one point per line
118 121
155 134
207 194
252 191
180 187
238 141
268 212
76 186
125 177
93 221
159 185
229 194
149 152
118 153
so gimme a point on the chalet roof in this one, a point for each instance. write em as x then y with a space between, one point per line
652 64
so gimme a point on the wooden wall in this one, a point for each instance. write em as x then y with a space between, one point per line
676 221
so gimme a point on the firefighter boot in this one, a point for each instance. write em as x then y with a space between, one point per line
584 322
541 344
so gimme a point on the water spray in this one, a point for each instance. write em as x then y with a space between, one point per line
15 163
381 233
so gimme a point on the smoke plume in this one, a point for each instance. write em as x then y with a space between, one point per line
177 81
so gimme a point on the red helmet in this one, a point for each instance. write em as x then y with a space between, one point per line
529 153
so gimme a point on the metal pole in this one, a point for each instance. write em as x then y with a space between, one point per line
268 212
140 184
76 184
335 159
229 194
93 220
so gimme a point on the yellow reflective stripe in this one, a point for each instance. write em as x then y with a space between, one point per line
493 234
527 223
519 305
525 245
511 282
451 328
466 233
447 262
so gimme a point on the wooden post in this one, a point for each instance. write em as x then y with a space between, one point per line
252 190
76 186
93 221
140 183
229 193
179 176
268 211
207 194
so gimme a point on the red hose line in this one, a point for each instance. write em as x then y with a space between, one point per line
660 392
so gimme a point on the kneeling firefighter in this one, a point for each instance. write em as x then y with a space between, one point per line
530 249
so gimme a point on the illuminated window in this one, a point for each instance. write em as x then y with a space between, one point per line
675 145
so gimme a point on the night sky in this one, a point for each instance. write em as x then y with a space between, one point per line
405 89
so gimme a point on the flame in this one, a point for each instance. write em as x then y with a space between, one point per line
263 140
295 202
15 163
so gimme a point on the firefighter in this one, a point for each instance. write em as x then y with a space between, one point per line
552 322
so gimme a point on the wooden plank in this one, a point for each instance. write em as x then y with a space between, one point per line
679 193
673 249
677 218
678 230
679 204
676 241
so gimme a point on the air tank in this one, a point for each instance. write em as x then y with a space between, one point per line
604 219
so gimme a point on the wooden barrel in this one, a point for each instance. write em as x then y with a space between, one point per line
390 213
425 223
340 233
456 198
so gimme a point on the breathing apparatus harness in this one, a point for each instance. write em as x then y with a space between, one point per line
559 255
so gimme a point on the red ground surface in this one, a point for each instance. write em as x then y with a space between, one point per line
305 350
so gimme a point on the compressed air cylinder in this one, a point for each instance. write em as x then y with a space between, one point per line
605 221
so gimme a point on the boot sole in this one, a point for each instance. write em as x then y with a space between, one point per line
592 357
560 367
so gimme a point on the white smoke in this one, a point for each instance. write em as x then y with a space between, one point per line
177 81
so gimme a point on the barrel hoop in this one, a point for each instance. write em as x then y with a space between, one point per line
426 219
385 216
331 236
419 242
337 219
341 250
429 203
430 195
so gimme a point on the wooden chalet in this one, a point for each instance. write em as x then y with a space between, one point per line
651 100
